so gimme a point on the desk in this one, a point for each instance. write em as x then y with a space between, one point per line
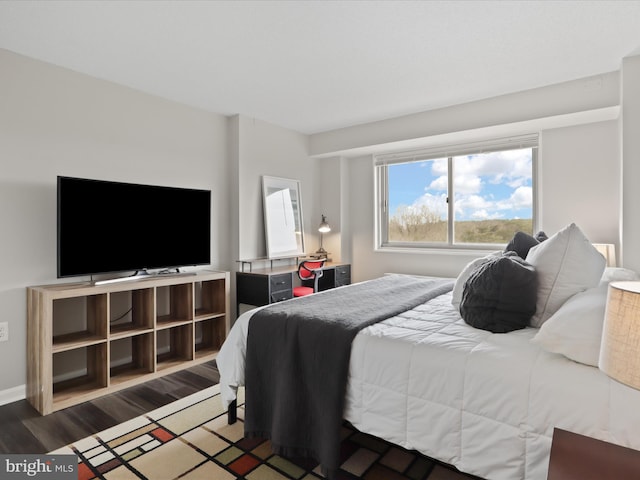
269 285
576 457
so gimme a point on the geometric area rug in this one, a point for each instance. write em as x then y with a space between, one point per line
190 439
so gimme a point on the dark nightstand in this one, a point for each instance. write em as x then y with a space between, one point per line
576 457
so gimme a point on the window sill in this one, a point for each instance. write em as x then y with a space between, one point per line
462 250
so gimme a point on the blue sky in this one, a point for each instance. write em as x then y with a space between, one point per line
487 186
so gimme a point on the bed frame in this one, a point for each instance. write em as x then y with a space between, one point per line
232 414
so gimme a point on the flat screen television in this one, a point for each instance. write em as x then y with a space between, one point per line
106 227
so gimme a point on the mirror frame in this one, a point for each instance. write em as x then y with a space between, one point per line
274 219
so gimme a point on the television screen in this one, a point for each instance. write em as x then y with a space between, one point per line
115 227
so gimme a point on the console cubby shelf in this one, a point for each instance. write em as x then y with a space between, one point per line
85 340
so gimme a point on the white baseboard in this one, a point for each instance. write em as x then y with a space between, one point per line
14 394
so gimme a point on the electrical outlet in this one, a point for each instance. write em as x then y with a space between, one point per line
4 331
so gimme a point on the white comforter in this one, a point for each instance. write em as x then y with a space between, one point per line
486 403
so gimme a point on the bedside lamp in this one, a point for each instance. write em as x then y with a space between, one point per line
323 228
608 251
620 347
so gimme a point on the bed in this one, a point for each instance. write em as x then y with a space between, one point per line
484 402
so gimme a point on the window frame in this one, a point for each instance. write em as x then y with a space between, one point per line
381 189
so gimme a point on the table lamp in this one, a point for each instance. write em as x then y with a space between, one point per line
608 251
620 347
323 228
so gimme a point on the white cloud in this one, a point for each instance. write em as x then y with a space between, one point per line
440 166
498 166
440 184
435 203
465 184
480 214
484 215
472 172
474 202
485 207
474 179
522 197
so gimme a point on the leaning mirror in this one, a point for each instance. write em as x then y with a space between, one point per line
282 217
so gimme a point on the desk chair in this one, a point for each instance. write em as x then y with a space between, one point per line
308 270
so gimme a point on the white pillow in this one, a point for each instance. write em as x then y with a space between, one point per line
566 264
458 287
618 274
575 329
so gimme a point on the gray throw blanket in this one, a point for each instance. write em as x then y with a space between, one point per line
297 361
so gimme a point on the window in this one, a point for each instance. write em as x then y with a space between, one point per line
470 195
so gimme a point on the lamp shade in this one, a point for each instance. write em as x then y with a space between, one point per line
324 225
620 347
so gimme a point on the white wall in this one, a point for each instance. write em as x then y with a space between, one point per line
260 148
580 172
630 137
330 202
266 149
57 122
569 98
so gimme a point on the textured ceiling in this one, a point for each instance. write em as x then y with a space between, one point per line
314 66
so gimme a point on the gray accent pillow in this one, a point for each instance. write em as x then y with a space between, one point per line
500 296
541 237
521 243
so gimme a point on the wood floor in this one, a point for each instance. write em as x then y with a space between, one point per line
24 430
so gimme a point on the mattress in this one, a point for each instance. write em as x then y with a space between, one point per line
485 403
